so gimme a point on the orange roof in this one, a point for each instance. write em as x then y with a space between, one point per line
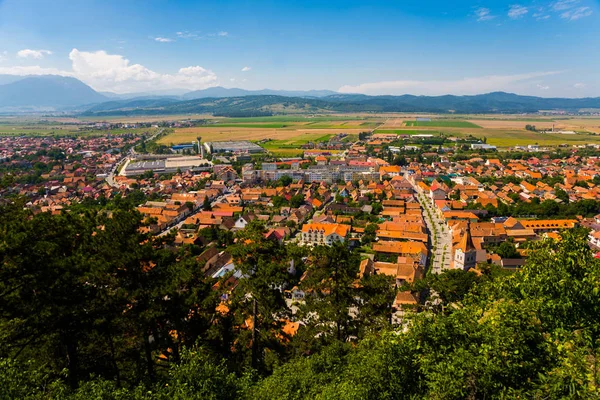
460 215
548 224
327 229
400 247
405 298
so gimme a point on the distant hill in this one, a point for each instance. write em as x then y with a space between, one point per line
497 102
4 79
217 92
133 104
50 92
47 91
177 93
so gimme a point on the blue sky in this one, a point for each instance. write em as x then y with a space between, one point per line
543 48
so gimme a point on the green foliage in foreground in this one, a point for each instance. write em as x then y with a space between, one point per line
534 334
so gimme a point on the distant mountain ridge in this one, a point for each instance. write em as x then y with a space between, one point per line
496 102
218 91
59 93
47 91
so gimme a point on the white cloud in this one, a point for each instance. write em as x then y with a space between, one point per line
231 79
563 4
579 85
113 72
516 11
570 9
198 36
463 86
186 35
29 53
577 13
246 69
483 14
163 39
542 87
540 16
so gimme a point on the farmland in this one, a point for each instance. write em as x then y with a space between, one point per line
407 132
292 147
287 134
443 123
57 129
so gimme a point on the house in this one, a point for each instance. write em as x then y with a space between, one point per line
403 272
324 234
403 249
437 191
243 221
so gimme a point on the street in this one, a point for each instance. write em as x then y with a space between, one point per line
440 243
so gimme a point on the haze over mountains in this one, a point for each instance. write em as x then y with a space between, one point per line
57 93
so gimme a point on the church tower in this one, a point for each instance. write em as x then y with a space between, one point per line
465 255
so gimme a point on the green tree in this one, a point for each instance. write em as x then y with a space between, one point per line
206 205
264 266
332 273
369 234
507 250
297 200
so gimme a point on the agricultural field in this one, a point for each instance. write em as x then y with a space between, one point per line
293 146
7 129
442 123
503 138
287 134
407 132
57 129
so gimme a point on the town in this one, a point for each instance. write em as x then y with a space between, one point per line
407 212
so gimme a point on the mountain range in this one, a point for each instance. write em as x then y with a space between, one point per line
57 93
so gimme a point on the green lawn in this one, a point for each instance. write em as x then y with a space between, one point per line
443 123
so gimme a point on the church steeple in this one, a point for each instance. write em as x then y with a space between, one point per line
465 255
466 242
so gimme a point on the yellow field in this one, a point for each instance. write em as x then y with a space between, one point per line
502 131
589 125
186 135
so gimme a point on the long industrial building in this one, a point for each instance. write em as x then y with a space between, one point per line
167 166
242 146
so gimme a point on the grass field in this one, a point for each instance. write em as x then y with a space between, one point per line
246 125
53 129
289 133
443 123
292 147
511 138
406 132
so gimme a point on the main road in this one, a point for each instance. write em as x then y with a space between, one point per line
110 178
440 243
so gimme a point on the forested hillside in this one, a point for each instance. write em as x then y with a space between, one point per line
252 105
91 307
